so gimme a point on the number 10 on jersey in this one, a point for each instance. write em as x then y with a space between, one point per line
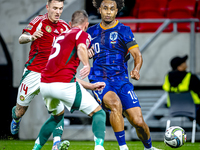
96 47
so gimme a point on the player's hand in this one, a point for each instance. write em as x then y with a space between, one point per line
37 34
91 52
98 86
84 72
135 74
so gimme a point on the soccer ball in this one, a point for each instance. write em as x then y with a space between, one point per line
175 137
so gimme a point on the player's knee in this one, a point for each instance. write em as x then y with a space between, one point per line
139 123
59 117
100 113
99 117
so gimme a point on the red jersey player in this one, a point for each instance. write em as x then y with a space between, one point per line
41 31
64 59
41 47
58 81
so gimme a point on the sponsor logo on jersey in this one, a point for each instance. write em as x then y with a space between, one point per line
29 27
22 98
48 29
56 31
113 37
100 92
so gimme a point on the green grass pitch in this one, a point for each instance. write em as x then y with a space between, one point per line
89 145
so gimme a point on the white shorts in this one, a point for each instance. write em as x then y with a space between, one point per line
29 87
72 95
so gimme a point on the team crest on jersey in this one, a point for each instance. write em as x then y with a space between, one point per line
48 29
113 37
22 98
87 43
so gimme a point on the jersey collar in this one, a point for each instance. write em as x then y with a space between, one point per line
109 27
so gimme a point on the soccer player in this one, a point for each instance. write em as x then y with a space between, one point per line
59 84
41 31
111 42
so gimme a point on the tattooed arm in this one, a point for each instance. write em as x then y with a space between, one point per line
27 37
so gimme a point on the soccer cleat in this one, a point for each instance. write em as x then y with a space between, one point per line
99 147
124 147
14 126
37 147
61 145
152 148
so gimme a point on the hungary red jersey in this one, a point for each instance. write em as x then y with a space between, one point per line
41 47
63 60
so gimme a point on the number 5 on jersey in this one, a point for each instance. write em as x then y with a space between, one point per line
57 46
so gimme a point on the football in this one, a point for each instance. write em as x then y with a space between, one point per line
175 137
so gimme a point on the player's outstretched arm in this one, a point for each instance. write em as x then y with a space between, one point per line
92 86
135 52
83 56
27 37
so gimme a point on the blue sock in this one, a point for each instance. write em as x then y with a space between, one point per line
147 143
120 138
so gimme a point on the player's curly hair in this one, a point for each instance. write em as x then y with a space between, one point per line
120 3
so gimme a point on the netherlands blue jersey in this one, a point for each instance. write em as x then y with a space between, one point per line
111 45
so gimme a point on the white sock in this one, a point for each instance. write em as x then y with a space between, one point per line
56 139
99 147
123 147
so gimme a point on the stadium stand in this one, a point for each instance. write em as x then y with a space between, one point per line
180 9
151 10
163 9
133 26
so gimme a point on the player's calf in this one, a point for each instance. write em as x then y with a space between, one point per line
98 127
19 111
14 126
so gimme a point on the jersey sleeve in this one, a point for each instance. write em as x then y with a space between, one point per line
129 39
89 34
65 24
33 25
83 37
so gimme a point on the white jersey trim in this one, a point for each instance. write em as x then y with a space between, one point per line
78 34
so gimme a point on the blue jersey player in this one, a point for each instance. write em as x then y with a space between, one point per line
111 41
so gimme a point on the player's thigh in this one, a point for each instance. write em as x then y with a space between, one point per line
135 117
88 103
29 87
107 96
50 94
112 101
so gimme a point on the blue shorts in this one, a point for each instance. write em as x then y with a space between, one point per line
123 89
